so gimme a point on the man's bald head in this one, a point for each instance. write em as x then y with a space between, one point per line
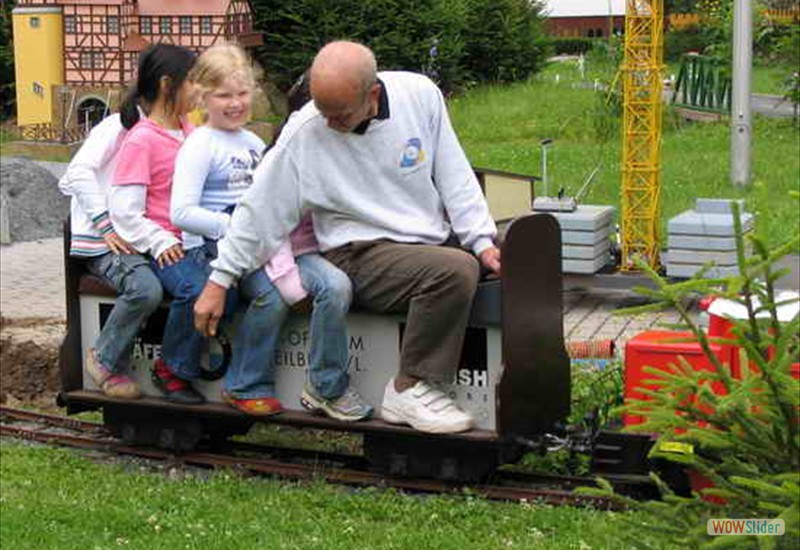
343 84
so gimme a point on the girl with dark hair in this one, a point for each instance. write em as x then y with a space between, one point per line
139 200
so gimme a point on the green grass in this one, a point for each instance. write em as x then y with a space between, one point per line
771 79
500 127
54 498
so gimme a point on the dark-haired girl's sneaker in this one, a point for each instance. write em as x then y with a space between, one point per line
174 389
112 384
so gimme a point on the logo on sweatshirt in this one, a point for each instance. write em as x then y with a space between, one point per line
412 153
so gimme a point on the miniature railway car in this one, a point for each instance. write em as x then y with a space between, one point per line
514 375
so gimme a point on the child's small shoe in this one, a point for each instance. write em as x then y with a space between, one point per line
112 385
174 389
259 406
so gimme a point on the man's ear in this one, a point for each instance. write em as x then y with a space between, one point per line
375 92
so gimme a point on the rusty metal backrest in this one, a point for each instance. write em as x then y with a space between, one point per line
534 390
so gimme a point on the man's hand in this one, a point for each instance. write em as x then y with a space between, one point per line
171 256
117 244
208 308
490 259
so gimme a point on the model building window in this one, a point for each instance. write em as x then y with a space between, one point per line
86 60
165 25
205 24
146 25
70 24
112 24
38 89
35 22
98 60
186 25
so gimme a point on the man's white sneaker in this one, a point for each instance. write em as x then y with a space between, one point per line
425 409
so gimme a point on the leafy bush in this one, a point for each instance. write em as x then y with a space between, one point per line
680 41
787 49
504 40
455 41
572 46
745 440
7 89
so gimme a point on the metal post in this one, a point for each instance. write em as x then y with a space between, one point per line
741 119
545 144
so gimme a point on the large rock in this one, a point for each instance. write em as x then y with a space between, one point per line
33 207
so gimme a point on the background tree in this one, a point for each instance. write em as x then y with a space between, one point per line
7 90
457 41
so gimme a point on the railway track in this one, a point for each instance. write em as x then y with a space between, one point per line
351 470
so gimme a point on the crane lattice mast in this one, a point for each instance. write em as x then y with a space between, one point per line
641 148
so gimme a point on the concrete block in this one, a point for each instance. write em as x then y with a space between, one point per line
587 217
585 237
685 271
698 257
699 224
585 266
698 242
717 206
575 252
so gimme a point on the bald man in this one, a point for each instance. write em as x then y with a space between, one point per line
375 158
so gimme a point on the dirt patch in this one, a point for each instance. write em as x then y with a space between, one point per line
29 361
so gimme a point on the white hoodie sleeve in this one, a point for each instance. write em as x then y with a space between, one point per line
127 206
192 166
127 200
262 221
454 178
82 178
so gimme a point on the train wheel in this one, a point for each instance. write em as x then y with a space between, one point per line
404 455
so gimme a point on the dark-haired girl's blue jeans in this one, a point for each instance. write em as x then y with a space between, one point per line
184 281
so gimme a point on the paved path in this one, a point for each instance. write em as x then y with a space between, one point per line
32 286
32 280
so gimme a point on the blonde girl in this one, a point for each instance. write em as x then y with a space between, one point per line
214 169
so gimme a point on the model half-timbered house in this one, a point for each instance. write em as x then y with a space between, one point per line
73 58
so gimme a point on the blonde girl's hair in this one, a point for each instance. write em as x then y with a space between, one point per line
223 61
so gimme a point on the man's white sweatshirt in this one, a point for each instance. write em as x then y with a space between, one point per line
406 179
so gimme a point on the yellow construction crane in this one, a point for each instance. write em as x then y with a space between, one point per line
641 146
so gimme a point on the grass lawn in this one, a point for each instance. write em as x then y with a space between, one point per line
501 127
55 498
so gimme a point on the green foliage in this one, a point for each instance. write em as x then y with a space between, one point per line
456 42
7 89
596 393
745 435
679 6
787 48
504 40
680 41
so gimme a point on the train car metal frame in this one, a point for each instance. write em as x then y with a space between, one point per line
514 374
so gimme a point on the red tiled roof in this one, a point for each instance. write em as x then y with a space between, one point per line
183 7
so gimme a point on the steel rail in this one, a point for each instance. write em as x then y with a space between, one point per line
507 491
